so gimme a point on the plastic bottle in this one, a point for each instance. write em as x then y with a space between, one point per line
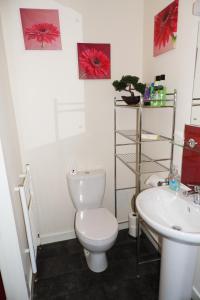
155 98
151 90
162 96
147 95
174 179
162 80
162 90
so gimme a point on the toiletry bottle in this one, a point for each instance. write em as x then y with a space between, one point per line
174 179
151 92
162 80
155 98
162 90
147 95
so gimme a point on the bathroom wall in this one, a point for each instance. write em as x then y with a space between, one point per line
14 262
64 122
178 65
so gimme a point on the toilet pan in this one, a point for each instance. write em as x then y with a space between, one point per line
96 228
97 231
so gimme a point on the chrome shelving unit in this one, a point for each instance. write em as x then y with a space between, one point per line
139 163
136 161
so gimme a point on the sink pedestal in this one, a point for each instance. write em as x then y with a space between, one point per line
178 263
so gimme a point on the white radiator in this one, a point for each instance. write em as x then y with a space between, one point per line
27 200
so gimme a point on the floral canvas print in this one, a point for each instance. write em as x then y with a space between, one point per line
94 61
41 29
165 29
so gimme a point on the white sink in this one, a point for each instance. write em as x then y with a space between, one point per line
177 219
171 214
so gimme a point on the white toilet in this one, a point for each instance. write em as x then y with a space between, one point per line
96 228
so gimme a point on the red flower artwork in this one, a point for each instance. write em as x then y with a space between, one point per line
41 29
94 61
165 28
42 33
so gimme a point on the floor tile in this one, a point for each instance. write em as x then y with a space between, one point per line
56 286
58 265
63 273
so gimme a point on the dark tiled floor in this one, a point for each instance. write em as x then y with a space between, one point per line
63 273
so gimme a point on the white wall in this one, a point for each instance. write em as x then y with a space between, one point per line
177 64
53 139
14 263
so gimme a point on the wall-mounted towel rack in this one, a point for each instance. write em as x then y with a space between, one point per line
26 196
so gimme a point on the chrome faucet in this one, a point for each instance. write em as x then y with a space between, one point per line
196 198
195 192
163 182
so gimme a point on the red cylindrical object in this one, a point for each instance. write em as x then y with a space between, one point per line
2 292
191 156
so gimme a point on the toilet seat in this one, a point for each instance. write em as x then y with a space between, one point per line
96 225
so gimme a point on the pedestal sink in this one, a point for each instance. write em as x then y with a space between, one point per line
177 219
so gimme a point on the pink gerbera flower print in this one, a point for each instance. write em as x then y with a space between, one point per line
94 64
41 29
42 33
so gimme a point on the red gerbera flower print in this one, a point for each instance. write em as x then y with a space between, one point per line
94 63
42 33
166 24
165 27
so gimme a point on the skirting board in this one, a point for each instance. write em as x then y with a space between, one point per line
57 237
195 294
123 225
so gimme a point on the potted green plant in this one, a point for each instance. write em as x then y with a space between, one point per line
130 84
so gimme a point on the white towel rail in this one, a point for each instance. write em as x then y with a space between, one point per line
26 196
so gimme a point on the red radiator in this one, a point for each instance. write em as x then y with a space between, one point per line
2 293
191 157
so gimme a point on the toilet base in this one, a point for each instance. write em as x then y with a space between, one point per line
97 262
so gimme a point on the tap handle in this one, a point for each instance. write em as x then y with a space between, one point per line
191 143
197 189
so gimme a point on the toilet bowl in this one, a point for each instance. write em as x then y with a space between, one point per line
97 231
95 227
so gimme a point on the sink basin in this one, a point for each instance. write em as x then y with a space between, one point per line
171 214
177 219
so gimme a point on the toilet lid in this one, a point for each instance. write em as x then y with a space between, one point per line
96 224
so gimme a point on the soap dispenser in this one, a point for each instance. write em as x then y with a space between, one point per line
174 179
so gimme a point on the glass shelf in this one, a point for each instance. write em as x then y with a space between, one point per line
137 106
169 102
132 135
129 134
146 166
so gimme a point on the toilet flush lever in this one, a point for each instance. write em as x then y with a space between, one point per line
192 143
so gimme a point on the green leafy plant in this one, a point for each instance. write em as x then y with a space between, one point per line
129 84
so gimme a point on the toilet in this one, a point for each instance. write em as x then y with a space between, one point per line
95 227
